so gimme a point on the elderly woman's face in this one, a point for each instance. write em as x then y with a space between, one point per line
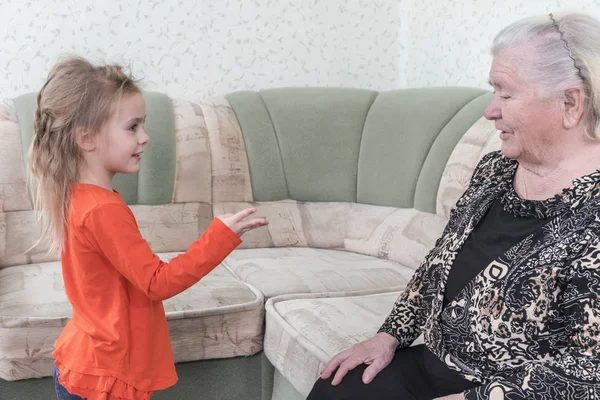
529 126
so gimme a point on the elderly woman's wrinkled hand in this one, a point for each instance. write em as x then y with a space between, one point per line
376 352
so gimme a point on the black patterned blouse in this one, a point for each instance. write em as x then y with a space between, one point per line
528 325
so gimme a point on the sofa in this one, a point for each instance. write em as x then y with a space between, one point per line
357 186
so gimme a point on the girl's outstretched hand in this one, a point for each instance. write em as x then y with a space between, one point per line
240 223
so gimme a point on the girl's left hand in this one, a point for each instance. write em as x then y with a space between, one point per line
240 223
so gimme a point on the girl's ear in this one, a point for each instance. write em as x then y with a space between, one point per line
85 140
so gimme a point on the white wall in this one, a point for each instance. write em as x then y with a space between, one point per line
450 40
195 48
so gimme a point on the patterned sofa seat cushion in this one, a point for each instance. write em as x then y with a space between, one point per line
303 332
218 317
288 270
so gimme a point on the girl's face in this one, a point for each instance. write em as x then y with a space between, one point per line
121 142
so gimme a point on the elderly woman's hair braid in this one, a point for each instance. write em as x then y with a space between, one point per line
77 98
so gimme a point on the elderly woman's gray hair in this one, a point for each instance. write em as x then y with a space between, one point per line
562 51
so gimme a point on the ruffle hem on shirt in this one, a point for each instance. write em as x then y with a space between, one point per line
92 387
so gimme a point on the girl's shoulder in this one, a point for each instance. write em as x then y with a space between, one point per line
86 198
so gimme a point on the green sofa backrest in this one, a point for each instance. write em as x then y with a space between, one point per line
353 145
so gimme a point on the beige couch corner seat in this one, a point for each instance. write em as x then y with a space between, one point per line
219 317
305 331
280 271
357 186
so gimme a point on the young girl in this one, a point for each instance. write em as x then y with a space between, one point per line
89 126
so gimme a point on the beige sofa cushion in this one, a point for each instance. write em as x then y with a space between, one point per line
230 172
13 188
278 271
218 317
193 181
168 227
403 235
479 140
303 332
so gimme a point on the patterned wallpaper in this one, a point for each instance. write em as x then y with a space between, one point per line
450 40
194 48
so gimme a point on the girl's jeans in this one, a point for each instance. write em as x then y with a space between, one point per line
61 392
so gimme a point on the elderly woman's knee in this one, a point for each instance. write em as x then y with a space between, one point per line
350 388
324 390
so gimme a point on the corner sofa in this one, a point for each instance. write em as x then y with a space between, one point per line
357 186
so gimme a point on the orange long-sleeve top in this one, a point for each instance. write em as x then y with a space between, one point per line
117 346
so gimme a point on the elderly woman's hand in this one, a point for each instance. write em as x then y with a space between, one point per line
377 352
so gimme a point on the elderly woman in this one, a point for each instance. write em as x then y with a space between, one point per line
509 298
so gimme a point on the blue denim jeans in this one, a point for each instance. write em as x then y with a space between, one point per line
61 392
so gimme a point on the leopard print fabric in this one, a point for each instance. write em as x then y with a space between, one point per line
527 326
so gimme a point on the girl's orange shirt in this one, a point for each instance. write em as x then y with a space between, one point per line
116 346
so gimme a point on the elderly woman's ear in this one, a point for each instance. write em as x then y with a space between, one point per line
573 105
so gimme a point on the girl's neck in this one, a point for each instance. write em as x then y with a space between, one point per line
87 176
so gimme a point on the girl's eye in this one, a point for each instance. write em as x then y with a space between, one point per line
133 127
505 97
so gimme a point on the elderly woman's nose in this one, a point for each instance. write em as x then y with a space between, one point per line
492 111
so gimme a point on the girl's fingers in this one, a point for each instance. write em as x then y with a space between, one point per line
254 223
240 216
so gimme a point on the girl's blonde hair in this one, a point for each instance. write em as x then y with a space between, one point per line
77 98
